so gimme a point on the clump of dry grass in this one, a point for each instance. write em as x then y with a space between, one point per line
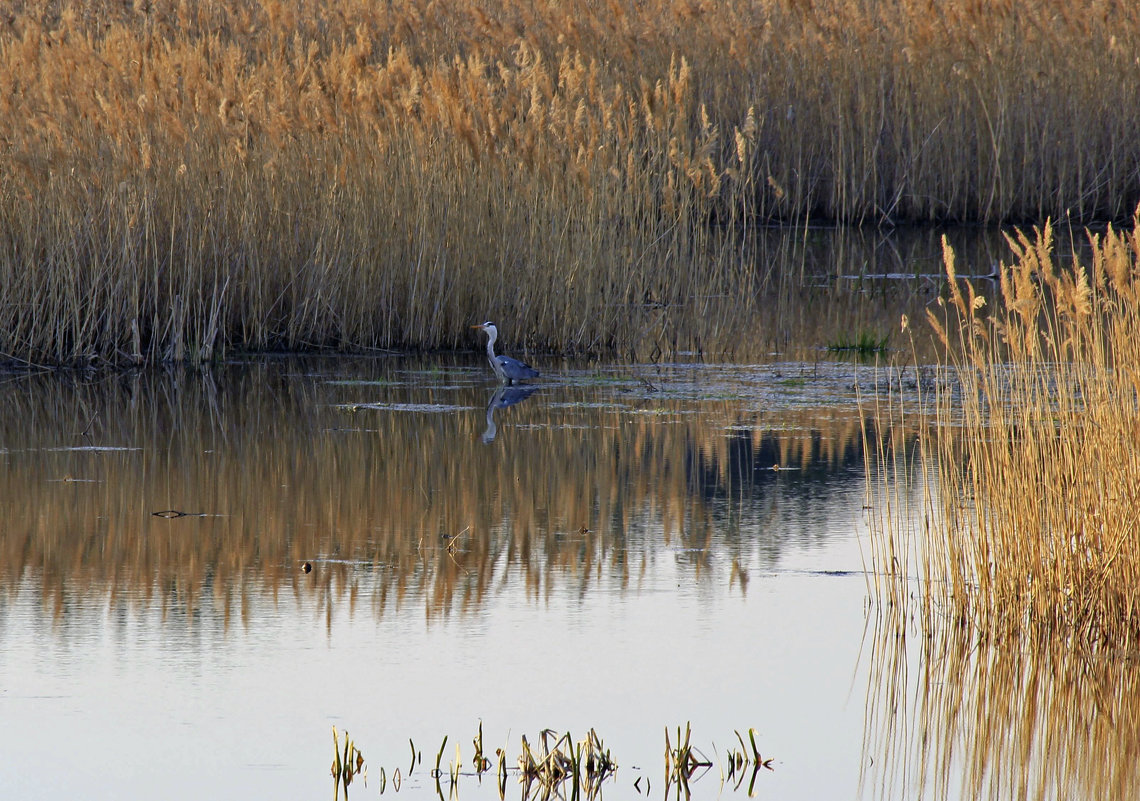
1038 444
177 178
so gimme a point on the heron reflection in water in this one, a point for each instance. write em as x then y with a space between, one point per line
508 370
504 396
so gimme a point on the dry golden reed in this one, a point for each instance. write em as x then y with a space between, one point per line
181 177
1032 523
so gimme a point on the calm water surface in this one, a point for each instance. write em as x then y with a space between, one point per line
623 548
633 548
626 548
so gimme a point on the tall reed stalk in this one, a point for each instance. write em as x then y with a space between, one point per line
1038 446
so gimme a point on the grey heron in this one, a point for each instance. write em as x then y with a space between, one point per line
507 369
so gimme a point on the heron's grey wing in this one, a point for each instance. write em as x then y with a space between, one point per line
515 369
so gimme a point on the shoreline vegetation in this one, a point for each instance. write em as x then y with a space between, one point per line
180 179
1030 464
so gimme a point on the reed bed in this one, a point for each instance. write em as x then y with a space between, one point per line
177 179
1032 524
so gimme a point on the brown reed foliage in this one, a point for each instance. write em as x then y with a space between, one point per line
1033 526
177 177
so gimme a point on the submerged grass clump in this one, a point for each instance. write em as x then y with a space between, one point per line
1034 524
863 345
682 762
177 179
347 764
557 766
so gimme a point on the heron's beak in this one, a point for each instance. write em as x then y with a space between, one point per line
476 326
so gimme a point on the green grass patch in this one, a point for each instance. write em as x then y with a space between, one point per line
865 343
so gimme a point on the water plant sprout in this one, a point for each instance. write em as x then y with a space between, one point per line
347 764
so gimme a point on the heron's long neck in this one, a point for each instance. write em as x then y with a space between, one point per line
491 336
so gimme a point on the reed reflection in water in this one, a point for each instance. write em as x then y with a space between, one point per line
391 474
950 717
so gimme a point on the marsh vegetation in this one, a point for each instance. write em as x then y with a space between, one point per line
558 766
1031 463
638 192
179 179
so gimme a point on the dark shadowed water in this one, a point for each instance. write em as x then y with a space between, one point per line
618 547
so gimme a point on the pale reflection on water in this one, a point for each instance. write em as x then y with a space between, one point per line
633 548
